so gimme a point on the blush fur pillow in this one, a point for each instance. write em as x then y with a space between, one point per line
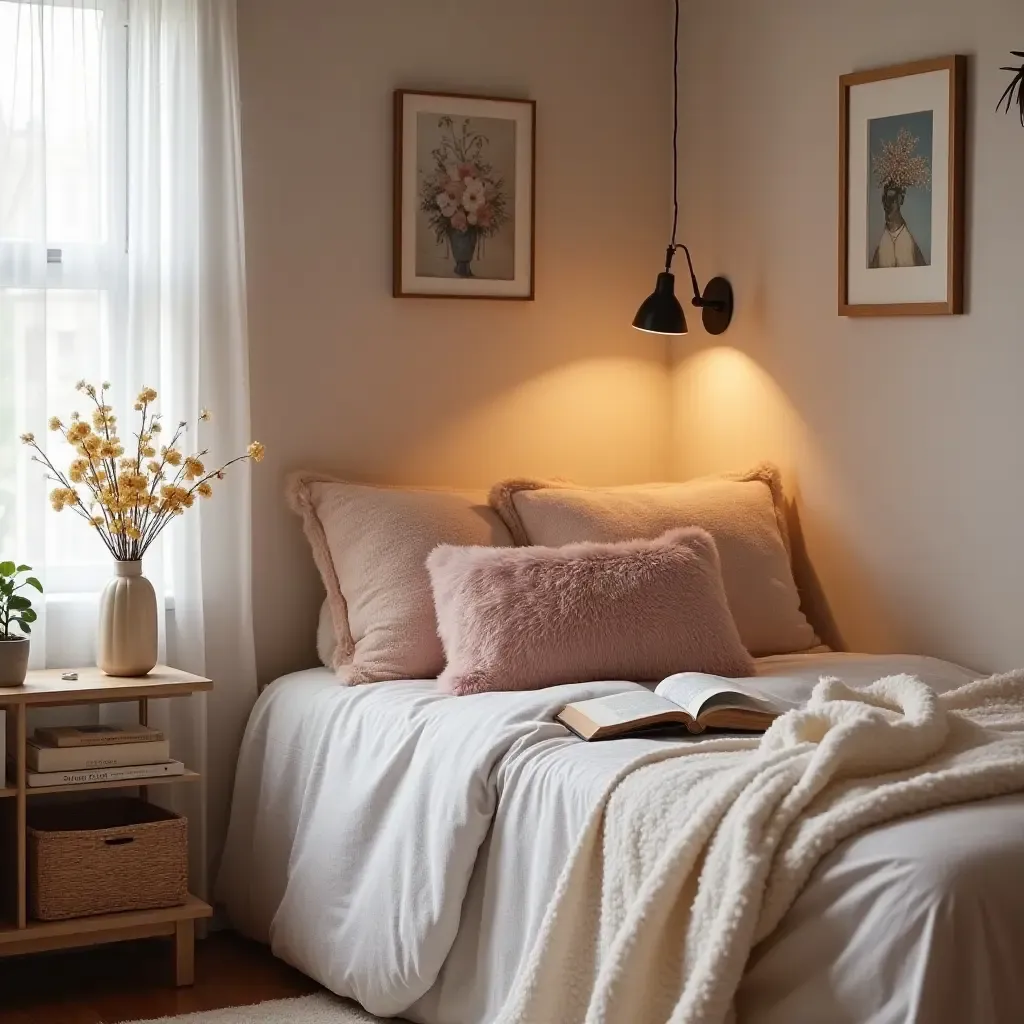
525 618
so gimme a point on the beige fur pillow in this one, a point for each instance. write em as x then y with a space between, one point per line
371 545
744 513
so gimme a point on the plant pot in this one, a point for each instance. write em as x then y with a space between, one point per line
13 660
127 640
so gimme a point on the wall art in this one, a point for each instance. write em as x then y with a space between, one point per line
464 196
901 189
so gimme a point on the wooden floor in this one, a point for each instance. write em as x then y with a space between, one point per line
131 980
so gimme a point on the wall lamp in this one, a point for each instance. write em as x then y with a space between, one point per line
661 312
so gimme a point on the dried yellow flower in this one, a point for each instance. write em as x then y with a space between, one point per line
120 496
128 482
61 497
110 449
103 417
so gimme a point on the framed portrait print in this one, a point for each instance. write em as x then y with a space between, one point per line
464 196
901 189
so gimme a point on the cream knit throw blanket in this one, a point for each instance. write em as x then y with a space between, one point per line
695 854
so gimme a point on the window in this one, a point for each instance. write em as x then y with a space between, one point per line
63 253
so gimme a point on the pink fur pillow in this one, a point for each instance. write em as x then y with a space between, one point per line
525 618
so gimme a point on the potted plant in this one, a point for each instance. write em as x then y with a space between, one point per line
127 493
15 611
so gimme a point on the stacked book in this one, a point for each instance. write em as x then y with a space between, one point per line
77 754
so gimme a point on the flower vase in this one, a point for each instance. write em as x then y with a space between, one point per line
127 640
463 245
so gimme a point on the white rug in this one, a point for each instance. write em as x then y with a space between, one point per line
321 1008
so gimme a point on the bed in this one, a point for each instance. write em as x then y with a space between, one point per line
400 846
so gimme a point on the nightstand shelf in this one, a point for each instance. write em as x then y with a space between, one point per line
42 936
19 934
85 787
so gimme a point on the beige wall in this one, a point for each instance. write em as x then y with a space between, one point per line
348 379
904 437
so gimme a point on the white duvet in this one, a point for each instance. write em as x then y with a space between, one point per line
401 847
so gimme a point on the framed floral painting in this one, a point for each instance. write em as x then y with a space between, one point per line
901 189
464 184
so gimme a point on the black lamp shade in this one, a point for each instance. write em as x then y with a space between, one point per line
660 312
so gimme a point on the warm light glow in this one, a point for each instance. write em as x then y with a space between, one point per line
598 421
665 334
730 413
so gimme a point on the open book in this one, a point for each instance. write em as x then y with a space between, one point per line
694 700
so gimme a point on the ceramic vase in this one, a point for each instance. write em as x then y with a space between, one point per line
127 640
463 245
13 661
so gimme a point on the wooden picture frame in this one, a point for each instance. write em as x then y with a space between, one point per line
464 196
902 133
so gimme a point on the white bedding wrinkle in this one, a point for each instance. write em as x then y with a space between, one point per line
386 798
695 854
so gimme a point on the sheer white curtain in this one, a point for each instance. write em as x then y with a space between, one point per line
121 258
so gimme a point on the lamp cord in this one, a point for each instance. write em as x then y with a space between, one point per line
675 126
673 246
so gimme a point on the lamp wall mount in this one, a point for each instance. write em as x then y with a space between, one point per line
715 302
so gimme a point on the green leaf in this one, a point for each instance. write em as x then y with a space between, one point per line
33 582
25 627
28 615
17 603
6 586
7 569
24 568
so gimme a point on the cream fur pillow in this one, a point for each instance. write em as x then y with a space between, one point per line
744 513
525 618
371 545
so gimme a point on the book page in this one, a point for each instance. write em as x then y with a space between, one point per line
697 691
619 708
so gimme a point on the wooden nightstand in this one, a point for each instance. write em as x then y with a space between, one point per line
17 933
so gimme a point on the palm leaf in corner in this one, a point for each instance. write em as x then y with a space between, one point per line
1015 86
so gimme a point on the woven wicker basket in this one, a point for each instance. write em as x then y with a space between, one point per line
105 856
